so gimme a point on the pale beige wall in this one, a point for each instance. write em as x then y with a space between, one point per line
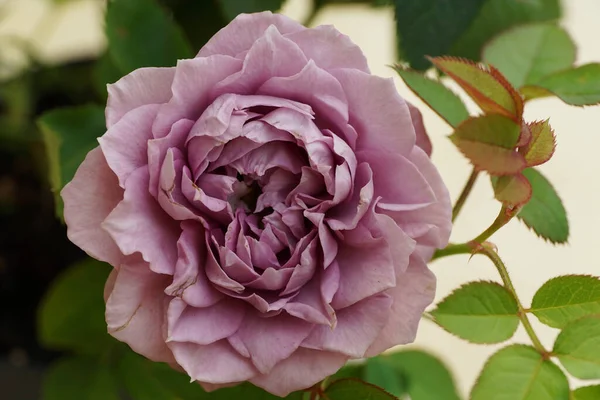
573 170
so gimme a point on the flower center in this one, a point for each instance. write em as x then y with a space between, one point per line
245 193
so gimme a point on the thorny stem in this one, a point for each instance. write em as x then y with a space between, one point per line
479 245
470 247
489 250
464 194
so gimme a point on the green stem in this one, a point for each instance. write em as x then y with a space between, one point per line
464 194
453 249
505 215
488 250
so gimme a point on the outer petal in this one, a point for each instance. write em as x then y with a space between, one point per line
138 224
125 144
204 325
377 112
241 33
329 48
414 291
430 226
301 370
136 309
92 194
142 86
271 340
423 140
357 327
271 55
214 363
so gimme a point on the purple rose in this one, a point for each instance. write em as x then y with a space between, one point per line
268 206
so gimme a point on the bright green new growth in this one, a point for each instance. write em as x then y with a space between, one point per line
567 298
528 53
511 190
578 348
519 372
544 213
480 312
488 141
437 96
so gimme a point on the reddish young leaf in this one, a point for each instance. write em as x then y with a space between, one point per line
542 144
512 190
489 142
487 86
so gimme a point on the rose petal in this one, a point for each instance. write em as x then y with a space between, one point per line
191 89
271 340
138 224
140 87
135 310
356 329
378 113
157 150
89 198
300 371
189 280
270 55
414 291
203 325
241 33
329 48
397 180
423 140
214 363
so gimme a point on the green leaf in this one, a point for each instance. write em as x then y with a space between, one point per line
71 315
231 8
437 96
380 372
499 15
528 53
512 190
488 141
354 389
430 27
480 312
576 86
79 378
567 298
69 134
426 377
105 72
484 84
352 369
587 393
578 348
147 380
544 213
519 372
141 34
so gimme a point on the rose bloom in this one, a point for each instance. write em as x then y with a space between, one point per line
268 207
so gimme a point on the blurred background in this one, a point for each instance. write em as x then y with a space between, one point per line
51 55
